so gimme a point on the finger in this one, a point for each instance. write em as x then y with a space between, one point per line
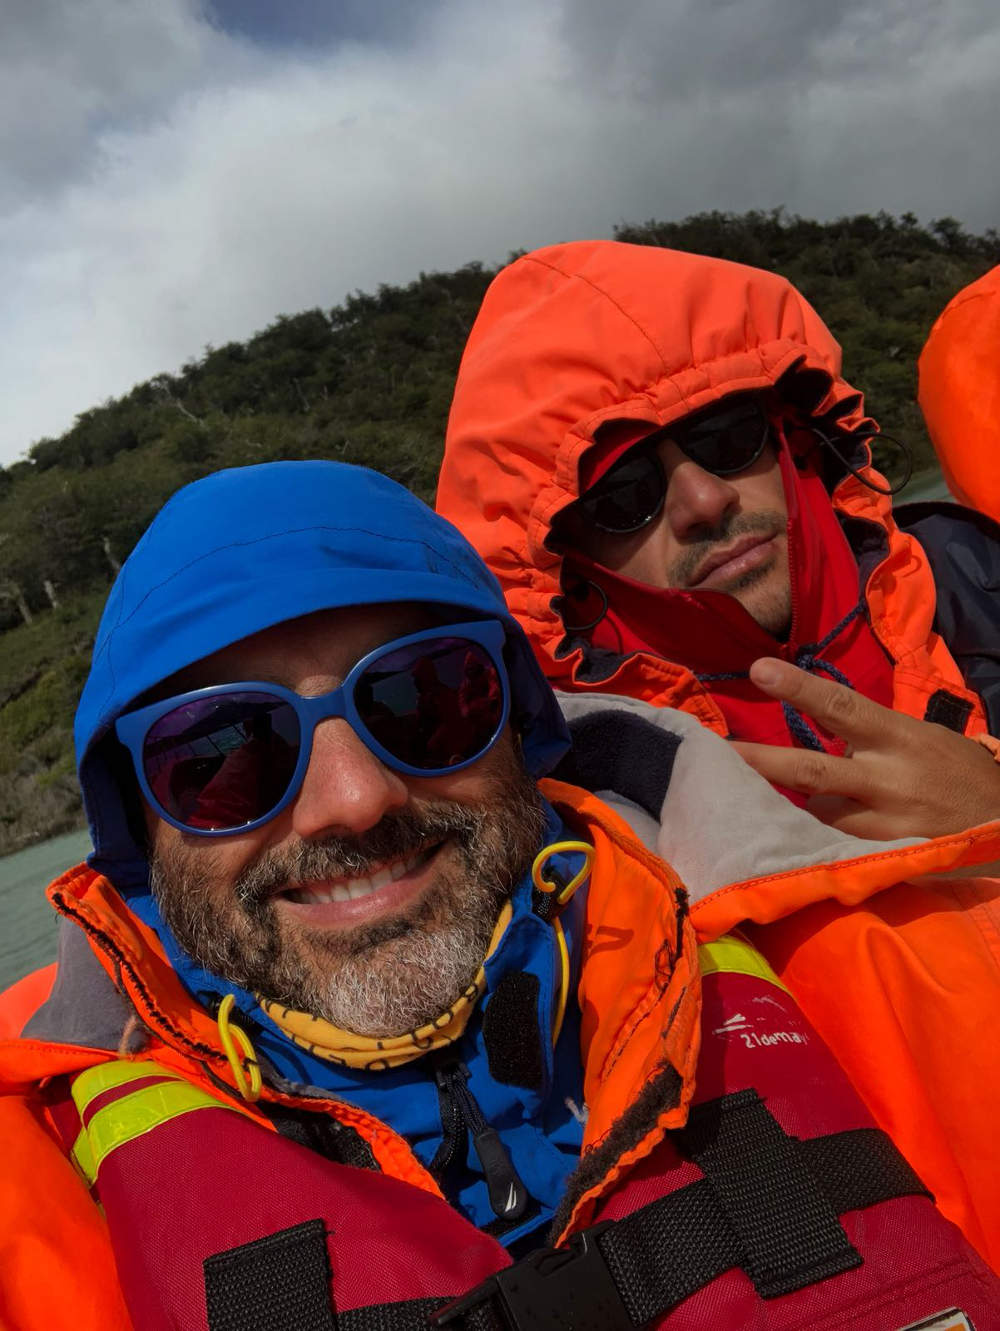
807 771
842 711
845 815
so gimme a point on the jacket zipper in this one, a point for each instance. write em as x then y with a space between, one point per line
460 1116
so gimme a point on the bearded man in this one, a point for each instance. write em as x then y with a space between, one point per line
350 1010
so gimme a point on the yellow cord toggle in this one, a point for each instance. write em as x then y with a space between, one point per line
565 894
246 1070
578 879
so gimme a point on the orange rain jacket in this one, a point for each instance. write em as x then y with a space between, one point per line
959 393
639 995
902 980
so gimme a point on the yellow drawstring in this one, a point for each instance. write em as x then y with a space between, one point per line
578 879
564 895
249 1089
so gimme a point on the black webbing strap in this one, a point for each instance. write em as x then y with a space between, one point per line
413 1315
761 1207
787 1229
768 1204
764 1205
277 1283
664 1253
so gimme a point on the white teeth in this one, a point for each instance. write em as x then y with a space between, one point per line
358 887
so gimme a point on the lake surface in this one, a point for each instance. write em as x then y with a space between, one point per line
27 922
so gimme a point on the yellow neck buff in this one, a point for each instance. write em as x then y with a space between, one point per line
376 1054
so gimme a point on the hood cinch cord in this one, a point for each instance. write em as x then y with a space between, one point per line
854 471
245 1070
563 894
806 658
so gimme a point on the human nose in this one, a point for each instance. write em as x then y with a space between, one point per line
346 789
697 499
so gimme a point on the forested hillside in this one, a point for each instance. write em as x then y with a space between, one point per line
368 381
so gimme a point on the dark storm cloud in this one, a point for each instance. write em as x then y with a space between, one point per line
668 50
72 69
828 109
313 23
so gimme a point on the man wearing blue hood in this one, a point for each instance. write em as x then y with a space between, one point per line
327 892
345 993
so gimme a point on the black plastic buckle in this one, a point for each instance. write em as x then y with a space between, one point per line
554 1289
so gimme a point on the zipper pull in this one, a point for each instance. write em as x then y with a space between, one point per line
508 1195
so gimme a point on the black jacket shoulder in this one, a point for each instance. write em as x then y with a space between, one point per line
963 547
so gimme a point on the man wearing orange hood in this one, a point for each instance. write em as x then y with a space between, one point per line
658 457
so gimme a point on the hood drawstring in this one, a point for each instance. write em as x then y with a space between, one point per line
245 1069
558 895
806 658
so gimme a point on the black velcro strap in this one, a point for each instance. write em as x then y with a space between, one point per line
511 1034
277 1283
785 1224
948 710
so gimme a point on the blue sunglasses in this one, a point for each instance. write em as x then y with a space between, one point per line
230 757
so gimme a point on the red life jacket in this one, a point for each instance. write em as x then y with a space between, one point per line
779 1205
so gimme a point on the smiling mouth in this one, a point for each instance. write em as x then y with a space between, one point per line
354 889
739 558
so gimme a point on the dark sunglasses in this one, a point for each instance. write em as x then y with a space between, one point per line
230 757
632 492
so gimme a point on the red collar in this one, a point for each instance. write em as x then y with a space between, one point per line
712 635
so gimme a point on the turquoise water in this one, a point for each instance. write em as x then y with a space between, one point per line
27 921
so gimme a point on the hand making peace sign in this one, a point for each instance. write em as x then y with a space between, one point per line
901 777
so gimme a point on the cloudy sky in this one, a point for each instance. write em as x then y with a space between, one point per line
175 173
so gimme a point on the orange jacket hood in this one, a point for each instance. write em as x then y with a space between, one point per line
574 336
959 393
577 335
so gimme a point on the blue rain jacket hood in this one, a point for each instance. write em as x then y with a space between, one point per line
247 548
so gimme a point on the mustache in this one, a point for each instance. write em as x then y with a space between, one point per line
396 836
768 522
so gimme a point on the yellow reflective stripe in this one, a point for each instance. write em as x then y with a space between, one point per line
732 955
106 1076
83 1157
134 1115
